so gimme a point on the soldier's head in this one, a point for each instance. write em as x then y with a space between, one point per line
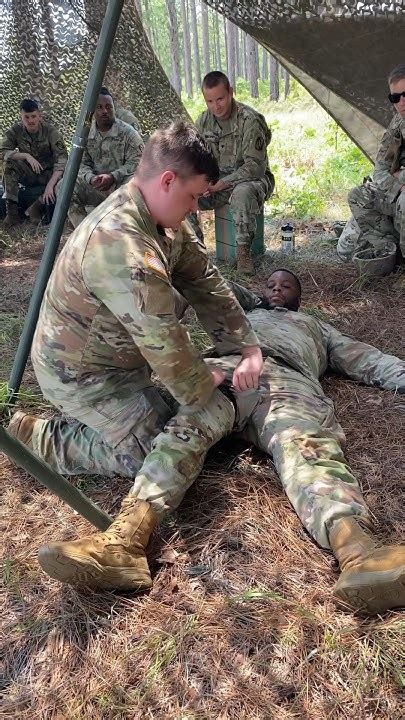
31 115
175 170
283 289
396 81
104 112
218 94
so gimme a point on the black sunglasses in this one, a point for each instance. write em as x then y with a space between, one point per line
394 98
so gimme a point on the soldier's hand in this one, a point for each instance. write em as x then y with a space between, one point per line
48 195
217 375
246 375
105 181
33 163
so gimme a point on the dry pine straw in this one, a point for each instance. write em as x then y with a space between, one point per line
240 623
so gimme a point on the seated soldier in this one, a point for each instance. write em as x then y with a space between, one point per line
111 157
123 114
238 137
34 156
378 205
288 417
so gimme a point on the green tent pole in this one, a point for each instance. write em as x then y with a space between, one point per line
98 68
24 458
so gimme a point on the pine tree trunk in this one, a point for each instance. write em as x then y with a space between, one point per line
252 65
238 72
231 58
274 79
244 58
138 5
217 43
205 38
174 45
187 49
286 83
196 48
265 65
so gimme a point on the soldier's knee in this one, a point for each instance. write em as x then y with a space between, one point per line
243 195
360 196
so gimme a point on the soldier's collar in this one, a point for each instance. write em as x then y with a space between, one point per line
112 132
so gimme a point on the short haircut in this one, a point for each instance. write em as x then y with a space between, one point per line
290 272
179 148
398 73
105 91
214 78
28 105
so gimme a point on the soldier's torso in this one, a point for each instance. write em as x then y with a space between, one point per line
109 150
38 145
394 141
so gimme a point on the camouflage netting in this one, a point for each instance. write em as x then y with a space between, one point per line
46 53
340 50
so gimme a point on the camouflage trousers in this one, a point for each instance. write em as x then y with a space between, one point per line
18 172
246 201
379 219
84 196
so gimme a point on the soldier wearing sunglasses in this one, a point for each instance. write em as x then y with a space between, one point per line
379 204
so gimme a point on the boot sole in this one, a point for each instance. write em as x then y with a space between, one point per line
373 592
83 571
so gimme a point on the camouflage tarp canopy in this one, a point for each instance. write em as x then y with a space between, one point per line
341 50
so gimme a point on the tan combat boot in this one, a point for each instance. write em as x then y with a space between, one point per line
373 578
114 559
244 262
12 217
21 426
34 212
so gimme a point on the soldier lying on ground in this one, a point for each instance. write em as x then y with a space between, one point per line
238 137
288 417
34 155
379 205
111 157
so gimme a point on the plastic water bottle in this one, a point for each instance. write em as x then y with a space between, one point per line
287 238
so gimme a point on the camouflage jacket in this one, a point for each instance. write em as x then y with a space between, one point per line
46 146
128 117
117 151
390 158
109 306
310 346
239 145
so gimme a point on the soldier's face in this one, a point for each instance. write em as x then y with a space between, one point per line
31 120
104 112
399 87
282 291
179 197
219 101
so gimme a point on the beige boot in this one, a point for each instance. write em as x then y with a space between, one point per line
373 578
244 262
21 426
12 217
112 560
34 212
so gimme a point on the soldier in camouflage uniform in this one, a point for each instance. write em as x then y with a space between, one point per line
111 157
34 155
379 205
238 137
122 113
288 417
107 319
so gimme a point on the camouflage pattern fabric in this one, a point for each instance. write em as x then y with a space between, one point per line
239 145
117 152
128 117
46 146
378 205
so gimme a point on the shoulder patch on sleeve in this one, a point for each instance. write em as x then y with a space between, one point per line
153 263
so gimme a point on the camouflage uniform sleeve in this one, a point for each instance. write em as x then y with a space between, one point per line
206 290
254 151
86 169
382 175
59 149
132 154
137 291
364 363
9 144
246 298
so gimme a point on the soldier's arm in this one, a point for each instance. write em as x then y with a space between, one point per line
246 298
86 169
254 150
215 304
364 363
137 290
59 150
133 147
382 175
9 145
